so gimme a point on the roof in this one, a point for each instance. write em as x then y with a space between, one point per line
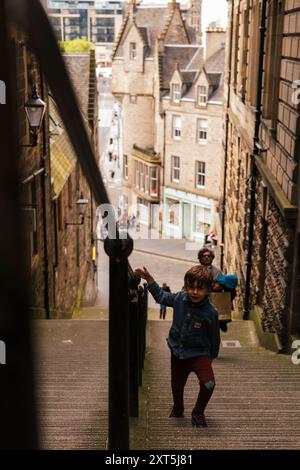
173 55
150 21
216 63
154 20
62 156
188 77
82 70
144 35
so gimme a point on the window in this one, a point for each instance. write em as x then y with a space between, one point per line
251 85
153 181
200 174
137 175
102 29
176 127
175 169
202 220
176 95
173 211
272 62
146 179
125 167
142 177
133 51
202 95
202 126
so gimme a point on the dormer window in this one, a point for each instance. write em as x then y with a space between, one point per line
176 95
133 51
202 95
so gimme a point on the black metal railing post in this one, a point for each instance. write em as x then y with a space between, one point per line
145 318
140 334
133 346
118 251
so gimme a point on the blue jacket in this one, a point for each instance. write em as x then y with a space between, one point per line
195 327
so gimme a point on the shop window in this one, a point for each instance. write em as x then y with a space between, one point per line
202 220
173 211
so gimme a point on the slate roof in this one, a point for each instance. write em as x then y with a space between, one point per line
78 66
62 156
150 21
173 55
154 19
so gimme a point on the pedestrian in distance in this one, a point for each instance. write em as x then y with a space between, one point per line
194 337
163 308
206 257
221 282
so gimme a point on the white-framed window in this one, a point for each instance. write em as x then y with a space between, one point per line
153 181
137 174
200 174
175 169
146 179
202 95
125 167
202 127
202 220
176 127
176 95
132 51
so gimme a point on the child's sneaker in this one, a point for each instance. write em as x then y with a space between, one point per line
198 420
176 413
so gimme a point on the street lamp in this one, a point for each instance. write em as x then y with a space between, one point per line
80 201
35 110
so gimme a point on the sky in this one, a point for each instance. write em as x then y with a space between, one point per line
212 10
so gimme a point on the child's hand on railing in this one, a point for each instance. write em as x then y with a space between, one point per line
144 273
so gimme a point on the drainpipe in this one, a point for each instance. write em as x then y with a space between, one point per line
163 174
254 172
226 141
44 205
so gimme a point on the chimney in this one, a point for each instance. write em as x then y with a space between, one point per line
215 40
172 5
130 7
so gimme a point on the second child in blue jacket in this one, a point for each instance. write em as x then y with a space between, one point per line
194 337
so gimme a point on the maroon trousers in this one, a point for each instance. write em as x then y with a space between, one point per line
180 370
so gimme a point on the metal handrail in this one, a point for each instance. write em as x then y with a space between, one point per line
31 19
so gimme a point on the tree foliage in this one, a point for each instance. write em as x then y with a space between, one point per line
74 46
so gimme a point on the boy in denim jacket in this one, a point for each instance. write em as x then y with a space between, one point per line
194 337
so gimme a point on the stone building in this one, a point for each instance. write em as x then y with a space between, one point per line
171 99
56 284
262 151
74 210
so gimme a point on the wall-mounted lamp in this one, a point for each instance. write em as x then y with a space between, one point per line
35 110
260 148
80 201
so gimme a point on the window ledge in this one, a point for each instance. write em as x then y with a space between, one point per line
287 210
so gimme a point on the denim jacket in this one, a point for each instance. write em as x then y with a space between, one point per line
195 327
